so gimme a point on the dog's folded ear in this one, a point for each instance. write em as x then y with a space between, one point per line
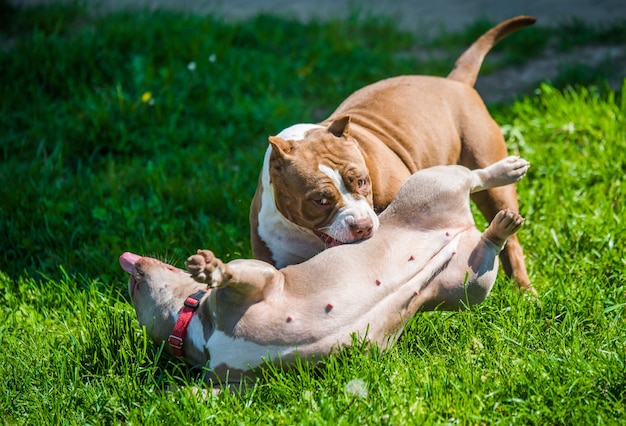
340 127
281 146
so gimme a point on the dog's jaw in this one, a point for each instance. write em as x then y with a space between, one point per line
327 239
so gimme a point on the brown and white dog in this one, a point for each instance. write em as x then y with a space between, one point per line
323 184
426 255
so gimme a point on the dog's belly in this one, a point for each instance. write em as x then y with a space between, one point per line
341 291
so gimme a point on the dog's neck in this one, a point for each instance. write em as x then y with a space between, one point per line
179 333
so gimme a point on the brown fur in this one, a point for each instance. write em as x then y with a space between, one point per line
396 127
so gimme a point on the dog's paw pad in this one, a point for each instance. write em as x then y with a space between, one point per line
195 265
506 223
202 265
516 167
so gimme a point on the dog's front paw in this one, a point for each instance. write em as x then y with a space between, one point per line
204 267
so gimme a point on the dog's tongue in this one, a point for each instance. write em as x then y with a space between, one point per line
128 260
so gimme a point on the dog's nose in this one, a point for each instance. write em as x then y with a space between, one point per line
128 260
362 228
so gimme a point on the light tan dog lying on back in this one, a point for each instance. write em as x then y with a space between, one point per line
323 184
427 254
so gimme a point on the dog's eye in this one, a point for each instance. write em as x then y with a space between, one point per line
361 184
322 202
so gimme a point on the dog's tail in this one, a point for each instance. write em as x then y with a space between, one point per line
468 65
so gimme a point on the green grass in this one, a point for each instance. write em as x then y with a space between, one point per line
111 141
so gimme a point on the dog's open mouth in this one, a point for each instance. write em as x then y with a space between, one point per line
133 286
327 239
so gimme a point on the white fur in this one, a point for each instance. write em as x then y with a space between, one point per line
354 209
288 242
297 131
241 354
195 332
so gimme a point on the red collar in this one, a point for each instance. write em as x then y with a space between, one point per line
177 338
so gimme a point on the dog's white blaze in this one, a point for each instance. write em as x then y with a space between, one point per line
335 176
353 210
240 353
297 131
288 242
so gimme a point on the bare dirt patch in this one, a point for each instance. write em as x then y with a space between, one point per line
504 84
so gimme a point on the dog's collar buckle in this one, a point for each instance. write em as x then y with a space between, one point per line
175 342
193 300
177 338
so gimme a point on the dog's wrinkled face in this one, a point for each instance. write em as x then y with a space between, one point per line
158 291
321 183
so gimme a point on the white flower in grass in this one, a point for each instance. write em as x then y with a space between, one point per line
308 397
477 344
569 128
191 66
357 387
212 57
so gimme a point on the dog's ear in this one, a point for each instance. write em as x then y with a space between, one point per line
281 146
340 127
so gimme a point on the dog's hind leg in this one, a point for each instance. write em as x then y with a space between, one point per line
506 171
482 261
493 200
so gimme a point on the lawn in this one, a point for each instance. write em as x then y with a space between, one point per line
145 132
